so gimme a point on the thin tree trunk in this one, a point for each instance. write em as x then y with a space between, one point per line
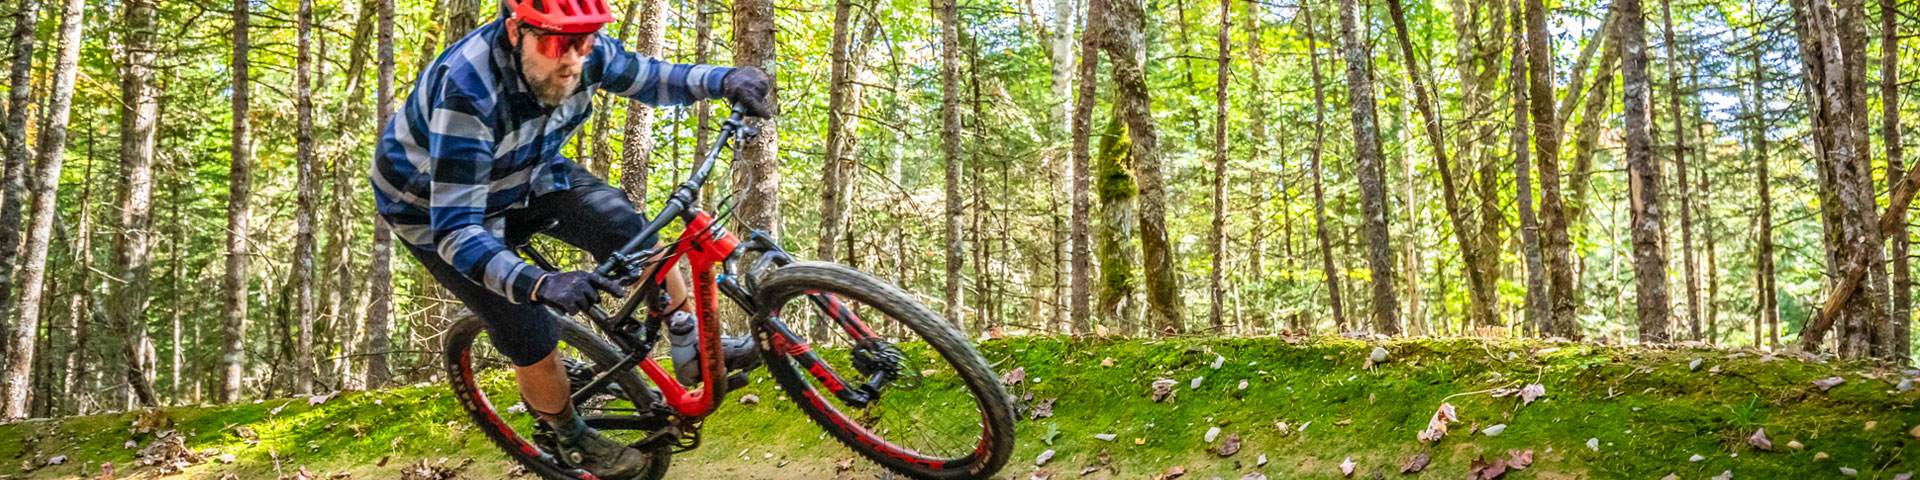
1319 193
1766 299
379 265
1087 89
132 248
836 170
80 308
1553 215
239 214
1373 190
1218 239
339 266
1644 182
945 12
13 189
1481 301
1536 301
300 281
1126 19
756 168
1902 274
636 155
53 141
1685 198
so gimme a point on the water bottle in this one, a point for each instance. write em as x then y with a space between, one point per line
683 347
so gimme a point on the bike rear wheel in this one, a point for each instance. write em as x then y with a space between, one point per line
943 415
480 376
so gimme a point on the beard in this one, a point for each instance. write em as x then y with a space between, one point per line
551 89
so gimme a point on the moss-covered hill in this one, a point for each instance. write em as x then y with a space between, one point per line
1649 413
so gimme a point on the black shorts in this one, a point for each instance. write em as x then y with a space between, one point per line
592 216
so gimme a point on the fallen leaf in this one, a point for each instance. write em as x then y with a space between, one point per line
1818 456
1379 355
1531 392
1759 440
1495 430
1481 469
1044 457
1042 474
1229 446
1519 459
1346 467
319 399
57 460
1795 444
1212 433
1848 471
1139 441
847 464
1043 408
1106 362
1871 424
1173 472
1670 477
1829 383
1261 462
1217 361
1593 444
1254 476
1163 389
1195 384
1243 384
1695 458
1437 427
1100 330
1014 377
1104 436
1695 365
1415 463
1724 475
1903 476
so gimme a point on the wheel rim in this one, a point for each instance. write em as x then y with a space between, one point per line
488 378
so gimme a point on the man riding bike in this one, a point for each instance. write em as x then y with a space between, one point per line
474 159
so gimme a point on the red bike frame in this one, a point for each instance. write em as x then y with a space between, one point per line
704 245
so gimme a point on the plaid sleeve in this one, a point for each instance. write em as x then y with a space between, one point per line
654 81
461 144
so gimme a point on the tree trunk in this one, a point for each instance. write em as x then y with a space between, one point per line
1644 182
339 267
1690 268
1536 301
380 265
1481 301
945 12
1114 179
1366 152
636 153
13 189
1087 89
1218 239
300 278
1857 307
1319 193
1768 303
1126 19
133 248
239 214
80 308
1902 274
836 171
756 168
1553 215
53 142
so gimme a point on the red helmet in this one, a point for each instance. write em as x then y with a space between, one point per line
563 16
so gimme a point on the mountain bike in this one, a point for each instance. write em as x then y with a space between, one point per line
920 402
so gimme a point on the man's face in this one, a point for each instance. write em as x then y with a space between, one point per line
551 61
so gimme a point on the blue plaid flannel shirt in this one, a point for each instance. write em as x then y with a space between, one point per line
472 141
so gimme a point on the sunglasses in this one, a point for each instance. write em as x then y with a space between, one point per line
555 44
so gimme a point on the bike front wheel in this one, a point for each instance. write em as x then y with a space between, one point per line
921 402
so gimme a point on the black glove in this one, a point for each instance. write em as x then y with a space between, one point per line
573 292
747 88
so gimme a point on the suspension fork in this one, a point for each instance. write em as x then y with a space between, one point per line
775 334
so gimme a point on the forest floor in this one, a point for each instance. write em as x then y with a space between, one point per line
1296 409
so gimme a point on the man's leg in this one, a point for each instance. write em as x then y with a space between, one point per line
528 334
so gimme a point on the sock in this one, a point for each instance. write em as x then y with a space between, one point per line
570 429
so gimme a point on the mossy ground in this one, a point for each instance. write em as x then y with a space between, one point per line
1648 410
